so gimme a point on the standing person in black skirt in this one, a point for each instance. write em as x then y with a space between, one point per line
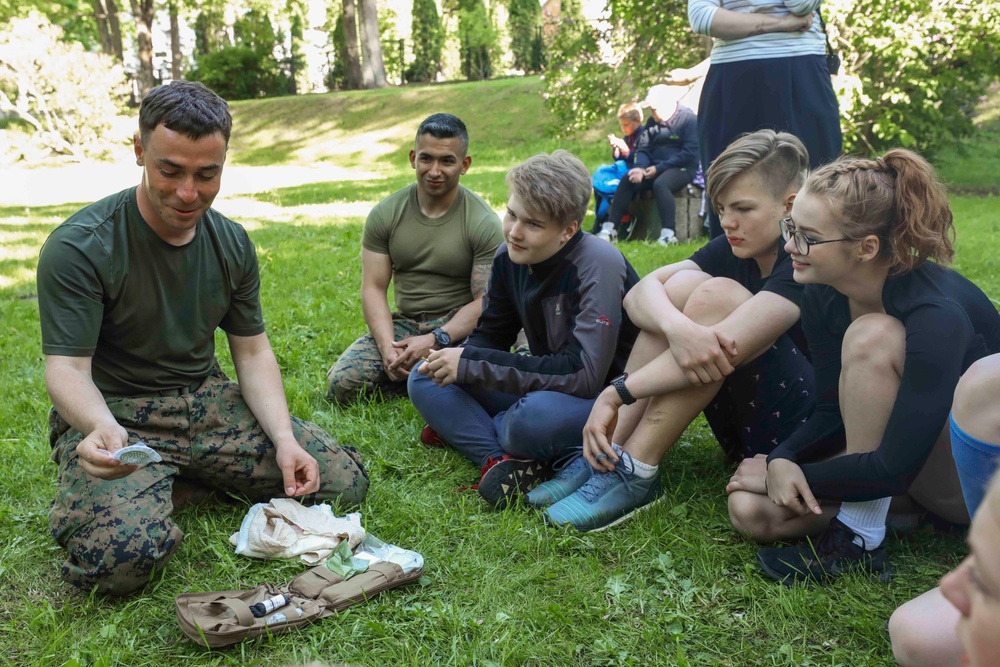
768 70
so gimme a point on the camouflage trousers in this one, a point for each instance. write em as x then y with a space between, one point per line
359 369
119 532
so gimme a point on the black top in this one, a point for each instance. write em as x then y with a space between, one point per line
949 324
570 307
716 258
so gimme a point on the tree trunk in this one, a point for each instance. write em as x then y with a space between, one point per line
355 75
108 27
103 32
175 42
371 44
142 12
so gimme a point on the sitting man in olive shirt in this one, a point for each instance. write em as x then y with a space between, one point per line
435 241
131 290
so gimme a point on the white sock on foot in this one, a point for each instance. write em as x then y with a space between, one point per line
867 520
639 469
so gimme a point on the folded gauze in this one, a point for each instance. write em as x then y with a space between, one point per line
283 528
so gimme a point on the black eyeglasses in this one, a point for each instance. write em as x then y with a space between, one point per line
802 242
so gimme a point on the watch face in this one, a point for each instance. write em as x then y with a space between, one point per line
442 338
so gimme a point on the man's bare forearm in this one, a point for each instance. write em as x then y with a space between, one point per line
260 383
74 395
378 316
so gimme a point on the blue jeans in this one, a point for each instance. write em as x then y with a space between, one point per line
481 423
975 460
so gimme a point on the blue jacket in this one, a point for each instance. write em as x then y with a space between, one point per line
672 144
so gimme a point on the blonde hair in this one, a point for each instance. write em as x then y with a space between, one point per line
630 111
555 186
896 197
779 158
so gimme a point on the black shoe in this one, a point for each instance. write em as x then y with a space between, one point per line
506 478
832 554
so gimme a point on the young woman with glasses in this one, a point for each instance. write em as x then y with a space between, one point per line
890 335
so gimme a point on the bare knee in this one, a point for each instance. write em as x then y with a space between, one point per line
920 639
750 518
714 299
874 340
680 286
975 398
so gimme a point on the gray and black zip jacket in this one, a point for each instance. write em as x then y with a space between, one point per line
570 307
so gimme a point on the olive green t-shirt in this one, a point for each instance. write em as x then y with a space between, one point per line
432 258
145 310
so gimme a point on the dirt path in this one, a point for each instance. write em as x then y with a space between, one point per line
84 183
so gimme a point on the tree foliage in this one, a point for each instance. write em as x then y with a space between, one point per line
428 40
241 73
524 23
593 70
914 69
477 40
336 74
65 97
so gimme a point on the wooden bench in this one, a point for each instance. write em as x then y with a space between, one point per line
689 222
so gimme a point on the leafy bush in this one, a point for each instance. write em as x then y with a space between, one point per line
914 69
593 70
240 73
428 39
477 38
524 24
68 97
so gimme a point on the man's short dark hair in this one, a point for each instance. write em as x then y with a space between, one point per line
445 126
186 107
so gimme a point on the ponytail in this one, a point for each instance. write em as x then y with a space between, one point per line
898 198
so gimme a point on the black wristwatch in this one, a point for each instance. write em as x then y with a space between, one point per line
442 338
619 384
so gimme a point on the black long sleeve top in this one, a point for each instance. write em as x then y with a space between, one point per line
949 324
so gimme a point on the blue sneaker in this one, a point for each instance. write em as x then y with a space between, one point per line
570 476
605 500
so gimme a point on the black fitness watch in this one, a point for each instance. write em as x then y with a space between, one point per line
619 384
442 338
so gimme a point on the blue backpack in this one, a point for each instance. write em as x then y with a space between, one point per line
607 177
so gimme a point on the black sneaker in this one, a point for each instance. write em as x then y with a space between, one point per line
506 478
832 554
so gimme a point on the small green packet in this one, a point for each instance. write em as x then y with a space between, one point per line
343 562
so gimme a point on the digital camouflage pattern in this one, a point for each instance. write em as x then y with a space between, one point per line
119 533
359 369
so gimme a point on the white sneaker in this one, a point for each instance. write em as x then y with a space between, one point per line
608 232
667 238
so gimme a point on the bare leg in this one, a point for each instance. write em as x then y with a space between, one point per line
872 364
923 632
975 400
666 416
650 345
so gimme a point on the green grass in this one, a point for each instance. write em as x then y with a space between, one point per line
674 586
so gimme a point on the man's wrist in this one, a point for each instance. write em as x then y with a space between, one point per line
285 440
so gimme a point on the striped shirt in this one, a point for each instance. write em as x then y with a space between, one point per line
756 47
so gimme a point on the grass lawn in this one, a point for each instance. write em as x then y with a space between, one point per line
674 586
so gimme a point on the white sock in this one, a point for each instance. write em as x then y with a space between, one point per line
607 226
867 520
666 234
639 469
